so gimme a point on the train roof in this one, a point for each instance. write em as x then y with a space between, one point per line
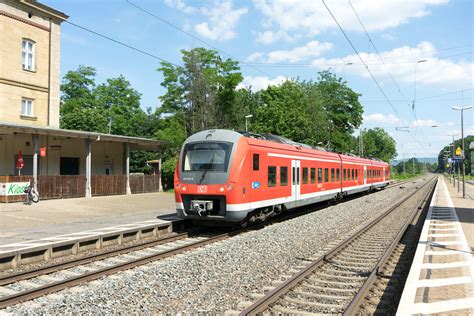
278 141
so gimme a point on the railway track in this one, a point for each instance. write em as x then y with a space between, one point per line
382 290
30 284
330 283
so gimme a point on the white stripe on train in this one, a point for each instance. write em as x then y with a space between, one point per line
257 204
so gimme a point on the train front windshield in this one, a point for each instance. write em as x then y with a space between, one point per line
208 156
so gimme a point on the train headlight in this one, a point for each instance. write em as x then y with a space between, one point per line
183 188
221 189
229 187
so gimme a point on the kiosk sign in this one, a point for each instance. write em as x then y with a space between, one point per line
13 188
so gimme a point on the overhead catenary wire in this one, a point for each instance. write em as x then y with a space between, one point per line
194 37
381 59
367 68
424 99
270 64
120 43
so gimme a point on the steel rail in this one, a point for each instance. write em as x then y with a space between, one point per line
353 306
89 276
28 274
272 296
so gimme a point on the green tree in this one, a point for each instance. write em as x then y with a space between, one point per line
343 110
111 107
442 163
202 90
283 111
379 144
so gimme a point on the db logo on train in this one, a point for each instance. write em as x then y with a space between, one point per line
202 188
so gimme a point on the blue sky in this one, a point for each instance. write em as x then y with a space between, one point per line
288 39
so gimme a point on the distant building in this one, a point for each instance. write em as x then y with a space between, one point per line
29 114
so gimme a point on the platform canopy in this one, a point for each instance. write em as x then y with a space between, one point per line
136 143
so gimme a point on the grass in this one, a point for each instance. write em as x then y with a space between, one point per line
404 176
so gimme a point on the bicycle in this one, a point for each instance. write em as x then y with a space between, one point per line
31 195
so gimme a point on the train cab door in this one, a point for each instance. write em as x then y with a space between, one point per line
295 183
365 174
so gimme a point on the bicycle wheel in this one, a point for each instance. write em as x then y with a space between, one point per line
34 196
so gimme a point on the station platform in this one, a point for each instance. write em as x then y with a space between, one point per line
57 224
441 278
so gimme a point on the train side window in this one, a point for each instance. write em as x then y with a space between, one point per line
345 174
305 175
320 175
326 175
353 174
357 174
313 175
283 176
256 162
272 176
337 175
332 174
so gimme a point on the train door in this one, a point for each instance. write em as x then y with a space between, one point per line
295 184
365 174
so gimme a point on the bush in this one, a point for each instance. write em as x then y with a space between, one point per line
167 172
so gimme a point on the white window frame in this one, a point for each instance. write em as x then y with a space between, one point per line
24 103
26 52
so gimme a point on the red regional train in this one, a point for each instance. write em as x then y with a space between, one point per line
234 177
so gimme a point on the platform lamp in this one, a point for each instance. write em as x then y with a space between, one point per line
460 108
246 121
414 95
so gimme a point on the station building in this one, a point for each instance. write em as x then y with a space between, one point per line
60 163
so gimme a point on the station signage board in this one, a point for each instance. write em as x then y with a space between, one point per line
13 188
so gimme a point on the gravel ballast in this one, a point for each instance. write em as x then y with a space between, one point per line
217 277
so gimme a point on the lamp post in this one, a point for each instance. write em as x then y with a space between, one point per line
459 108
246 121
414 96
361 142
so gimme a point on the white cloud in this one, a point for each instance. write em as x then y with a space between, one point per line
401 63
261 82
222 21
311 49
424 123
268 37
254 56
181 6
311 17
381 118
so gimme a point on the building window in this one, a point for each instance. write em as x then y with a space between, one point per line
305 175
313 175
27 107
256 161
272 176
283 175
28 54
69 166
